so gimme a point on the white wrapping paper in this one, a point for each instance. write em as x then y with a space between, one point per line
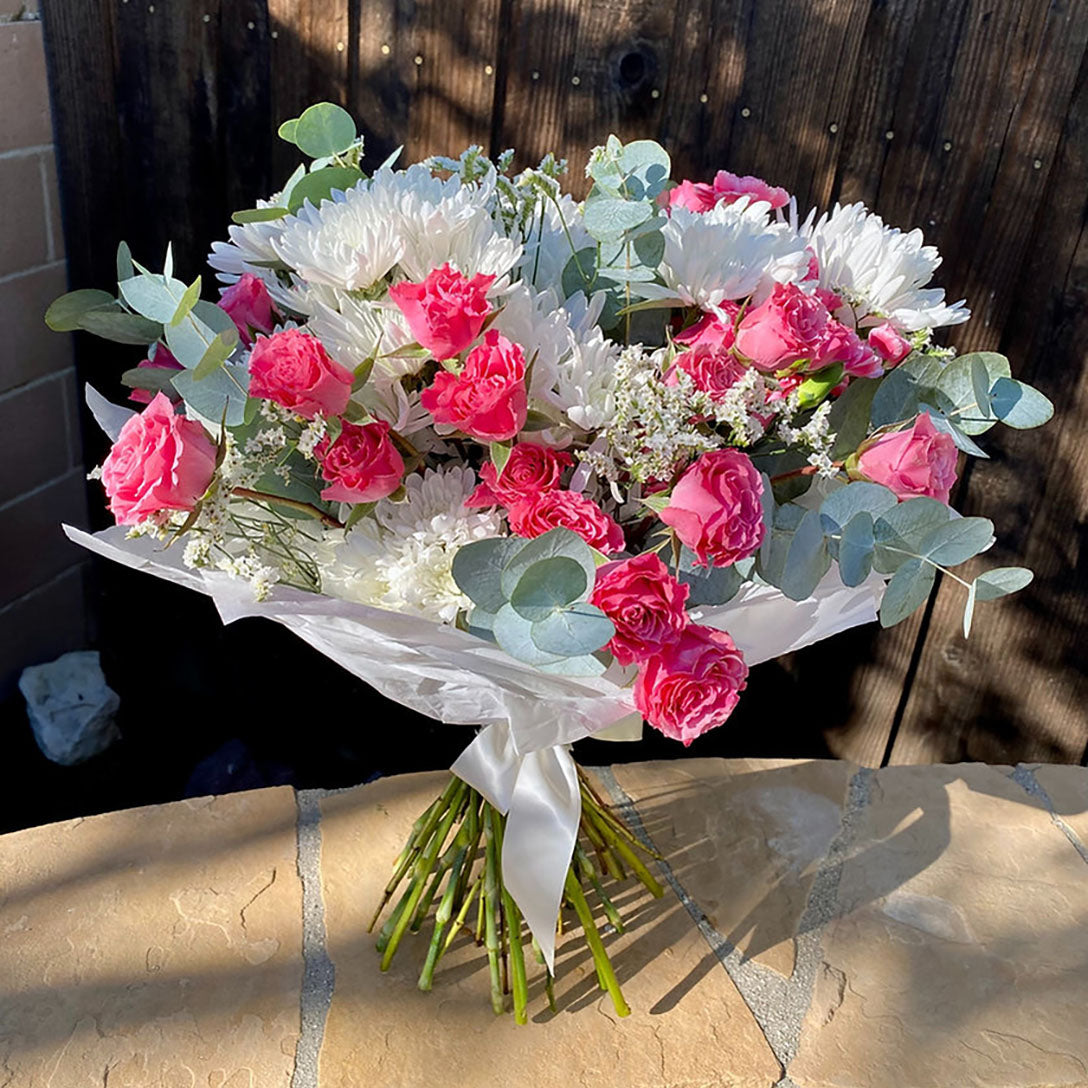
519 761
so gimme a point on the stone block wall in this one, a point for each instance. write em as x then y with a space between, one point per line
42 612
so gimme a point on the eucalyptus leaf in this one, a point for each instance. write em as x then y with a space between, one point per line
585 665
319 185
258 215
958 540
856 549
549 586
1019 405
514 634
608 219
121 327
286 131
969 609
900 393
555 542
957 386
980 385
842 505
963 442
152 379
225 390
807 560
477 569
849 418
109 416
125 269
903 528
217 354
323 129
65 312
574 631
580 271
188 301
1001 581
154 297
709 585
907 591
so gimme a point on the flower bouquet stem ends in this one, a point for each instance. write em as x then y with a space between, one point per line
453 858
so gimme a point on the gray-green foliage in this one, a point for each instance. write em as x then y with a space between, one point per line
531 598
622 216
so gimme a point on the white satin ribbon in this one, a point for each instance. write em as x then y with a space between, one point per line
538 793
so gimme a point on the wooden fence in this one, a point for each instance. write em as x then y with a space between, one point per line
966 118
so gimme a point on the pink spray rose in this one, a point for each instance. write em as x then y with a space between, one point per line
889 344
361 464
714 372
783 329
488 399
534 514
164 360
729 187
715 508
248 304
446 311
696 196
530 468
692 684
160 461
711 330
293 369
839 344
645 604
920 461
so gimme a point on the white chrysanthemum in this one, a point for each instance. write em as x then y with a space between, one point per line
730 252
540 325
879 270
586 381
402 557
251 246
348 242
355 330
548 245
444 221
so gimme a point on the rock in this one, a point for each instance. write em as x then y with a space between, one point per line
70 707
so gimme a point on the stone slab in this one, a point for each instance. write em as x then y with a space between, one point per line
1067 788
153 948
689 1026
959 955
745 838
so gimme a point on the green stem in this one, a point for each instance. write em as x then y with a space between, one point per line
312 511
517 952
600 956
590 874
441 920
491 910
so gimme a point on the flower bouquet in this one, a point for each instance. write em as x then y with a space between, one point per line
546 467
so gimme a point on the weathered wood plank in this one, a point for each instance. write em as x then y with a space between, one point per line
427 76
1017 689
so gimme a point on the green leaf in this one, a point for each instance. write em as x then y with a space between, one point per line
980 384
900 393
907 591
153 379
391 158
807 560
500 454
514 634
191 340
574 631
1019 405
125 270
812 391
188 301
839 508
646 165
969 609
121 327
561 542
217 354
323 129
549 586
258 215
65 312
286 131
958 540
478 567
856 549
155 297
968 445
904 527
656 503
776 543
224 389
956 384
709 585
319 185
359 511
650 248
586 665
608 219
1001 581
580 271
849 418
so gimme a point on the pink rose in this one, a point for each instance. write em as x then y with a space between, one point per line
361 465
716 510
696 196
645 604
530 468
487 400
714 372
248 304
293 369
921 461
160 461
729 187
783 329
839 344
534 514
887 341
692 684
710 330
164 360
446 311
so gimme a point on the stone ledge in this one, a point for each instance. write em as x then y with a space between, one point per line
825 926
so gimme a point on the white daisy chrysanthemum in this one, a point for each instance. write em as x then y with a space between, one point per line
354 330
538 323
444 221
586 381
250 248
349 242
402 557
879 270
730 252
